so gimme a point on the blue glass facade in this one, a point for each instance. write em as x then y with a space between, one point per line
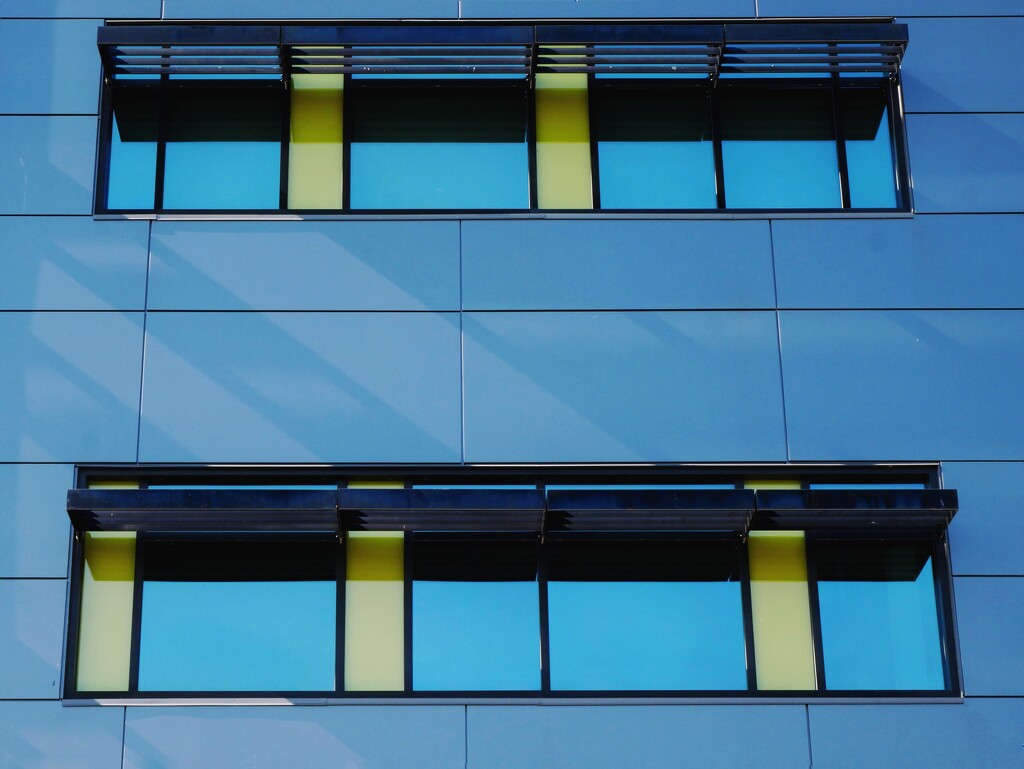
773 340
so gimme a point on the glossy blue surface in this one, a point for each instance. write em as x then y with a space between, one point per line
31 616
870 165
657 174
237 636
46 164
70 386
603 9
88 9
984 174
72 263
131 181
978 734
49 66
45 734
879 635
298 387
439 175
940 72
304 265
577 265
374 737
903 384
311 9
990 616
34 527
646 635
609 737
928 261
471 636
781 174
622 387
228 174
986 534
905 8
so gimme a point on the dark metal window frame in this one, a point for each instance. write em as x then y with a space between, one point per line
920 515
767 53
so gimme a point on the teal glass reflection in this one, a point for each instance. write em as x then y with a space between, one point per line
645 616
229 617
869 157
778 148
223 148
654 148
476 616
438 148
879 621
133 136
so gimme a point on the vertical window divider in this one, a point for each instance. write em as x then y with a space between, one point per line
542 597
531 131
407 557
898 136
341 582
840 133
595 166
942 576
70 682
286 124
347 94
748 615
161 142
716 144
136 640
815 607
104 140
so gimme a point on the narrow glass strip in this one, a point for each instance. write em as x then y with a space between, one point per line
374 612
563 142
315 147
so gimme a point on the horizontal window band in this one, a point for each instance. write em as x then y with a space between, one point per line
510 510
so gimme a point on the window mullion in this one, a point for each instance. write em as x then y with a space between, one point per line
716 140
136 639
812 594
840 133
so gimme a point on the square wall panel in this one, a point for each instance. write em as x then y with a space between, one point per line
31 621
46 164
904 385
621 265
990 620
305 266
622 387
72 263
301 387
70 386
46 734
985 536
34 528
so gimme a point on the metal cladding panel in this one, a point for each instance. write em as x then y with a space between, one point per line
622 386
976 734
985 537
304 266
31 616
34 530
402 737
604 9
80 9
616 265
990 618
311 9
48 66
609 737
46 164
926 262
908 8
942 72
70 386
903 385
45 734
301 387
967 163
72 263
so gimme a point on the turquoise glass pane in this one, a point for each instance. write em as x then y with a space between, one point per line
868 148
438 148
879 622
476 616
229 617
778 149
132 177
654 147
665 616
223 149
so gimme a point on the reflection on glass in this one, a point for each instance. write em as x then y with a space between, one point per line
476 621
438 148
223 148
238 616
645 615
778 149
879 622
868 148
133 137
654 148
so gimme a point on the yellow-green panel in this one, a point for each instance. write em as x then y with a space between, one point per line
376 484
772 485
783 644
105 628
375 612
563 142
315 150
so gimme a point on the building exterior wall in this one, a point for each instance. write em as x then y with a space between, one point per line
456 341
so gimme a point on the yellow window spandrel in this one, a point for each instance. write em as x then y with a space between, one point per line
563 141
105 627
315 148
375 611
